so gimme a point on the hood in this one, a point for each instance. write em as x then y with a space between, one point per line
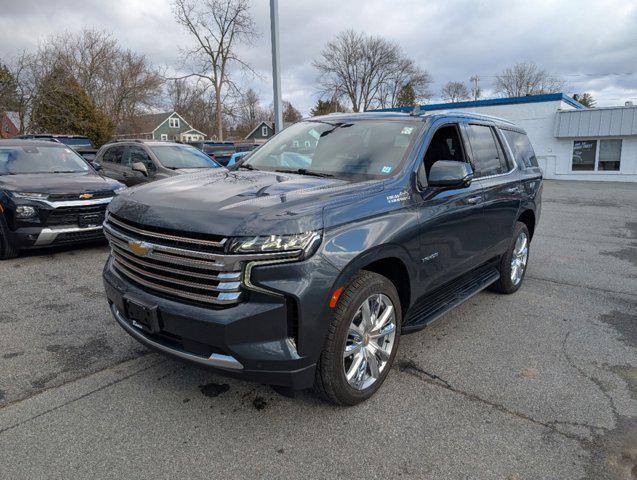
57 183
222 202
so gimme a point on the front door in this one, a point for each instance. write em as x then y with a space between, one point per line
452 224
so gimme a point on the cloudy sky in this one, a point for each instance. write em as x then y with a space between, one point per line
591 44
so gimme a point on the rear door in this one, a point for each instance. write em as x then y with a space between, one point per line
111 162
496 172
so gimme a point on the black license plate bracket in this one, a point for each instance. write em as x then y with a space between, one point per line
142 315
90 220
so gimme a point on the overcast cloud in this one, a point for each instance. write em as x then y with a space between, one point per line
592 44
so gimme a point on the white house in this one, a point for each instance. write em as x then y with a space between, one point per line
571 142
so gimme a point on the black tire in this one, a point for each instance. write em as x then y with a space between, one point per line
330 382
505 284
7 248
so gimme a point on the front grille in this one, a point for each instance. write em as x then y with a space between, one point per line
174 264
57 197
81 216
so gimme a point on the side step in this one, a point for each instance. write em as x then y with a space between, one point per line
439 301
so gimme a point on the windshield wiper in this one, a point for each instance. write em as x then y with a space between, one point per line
305 171
63 171
247 166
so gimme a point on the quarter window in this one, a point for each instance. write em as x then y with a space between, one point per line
487 157
597 155
521 147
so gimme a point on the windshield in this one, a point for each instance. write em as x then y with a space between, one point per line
367 148
28 159
76 142
183 156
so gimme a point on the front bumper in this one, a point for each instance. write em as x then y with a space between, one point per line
250 340
34 237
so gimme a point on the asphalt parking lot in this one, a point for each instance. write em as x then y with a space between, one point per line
536 385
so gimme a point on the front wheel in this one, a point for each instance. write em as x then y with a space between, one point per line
362 341
514 262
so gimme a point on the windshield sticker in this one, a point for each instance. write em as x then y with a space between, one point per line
386 169
407 130
315 134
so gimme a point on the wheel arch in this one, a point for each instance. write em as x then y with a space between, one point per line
528 218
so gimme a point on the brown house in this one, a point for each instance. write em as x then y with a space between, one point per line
9 124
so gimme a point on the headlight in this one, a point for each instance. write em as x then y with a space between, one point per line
119 190
30 195
305 242
25 211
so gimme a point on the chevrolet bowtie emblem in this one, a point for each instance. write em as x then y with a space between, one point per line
140 248
86 196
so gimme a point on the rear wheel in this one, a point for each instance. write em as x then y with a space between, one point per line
514 262
362 341
7 248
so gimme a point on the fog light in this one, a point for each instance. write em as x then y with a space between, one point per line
24 211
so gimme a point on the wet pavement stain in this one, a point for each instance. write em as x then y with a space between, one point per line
41 382
12 354
75 358
259 403
624 323
214 389
628 254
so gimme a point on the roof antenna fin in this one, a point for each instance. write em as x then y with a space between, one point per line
415 112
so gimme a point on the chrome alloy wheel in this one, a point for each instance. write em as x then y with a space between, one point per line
370 340
519 258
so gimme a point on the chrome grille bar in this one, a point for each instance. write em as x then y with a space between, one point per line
165 236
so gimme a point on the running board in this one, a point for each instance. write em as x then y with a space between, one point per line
438 302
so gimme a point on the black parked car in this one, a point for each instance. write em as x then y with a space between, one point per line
80 143
139 161
222 152
49 195
302 277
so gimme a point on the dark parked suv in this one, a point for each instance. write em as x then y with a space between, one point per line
139 161
302 277
49 195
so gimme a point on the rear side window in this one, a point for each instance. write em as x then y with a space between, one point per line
487 157
113 155
521 147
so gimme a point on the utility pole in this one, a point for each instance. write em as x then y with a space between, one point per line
476 90
276 65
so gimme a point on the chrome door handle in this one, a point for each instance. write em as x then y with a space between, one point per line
473 200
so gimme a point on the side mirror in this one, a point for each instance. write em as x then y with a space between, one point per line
96 166
450 173
140 167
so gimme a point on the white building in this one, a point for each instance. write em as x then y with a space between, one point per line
571 142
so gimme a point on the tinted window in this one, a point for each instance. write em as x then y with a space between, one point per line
444 145
487 158
28 159
521 147
139 155
113 155
182 156
584 154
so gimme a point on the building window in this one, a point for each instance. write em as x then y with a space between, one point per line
264 131
164 137
295 143
597 155
173 122
308 144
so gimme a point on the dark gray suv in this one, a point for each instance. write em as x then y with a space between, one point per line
139 161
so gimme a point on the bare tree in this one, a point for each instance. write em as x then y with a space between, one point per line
526 78
290 114
356 66
192 100
25 73
405 73
455 92
218 27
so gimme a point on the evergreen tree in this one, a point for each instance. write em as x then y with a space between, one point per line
585 99
406 96
323 107
62 106
8 90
